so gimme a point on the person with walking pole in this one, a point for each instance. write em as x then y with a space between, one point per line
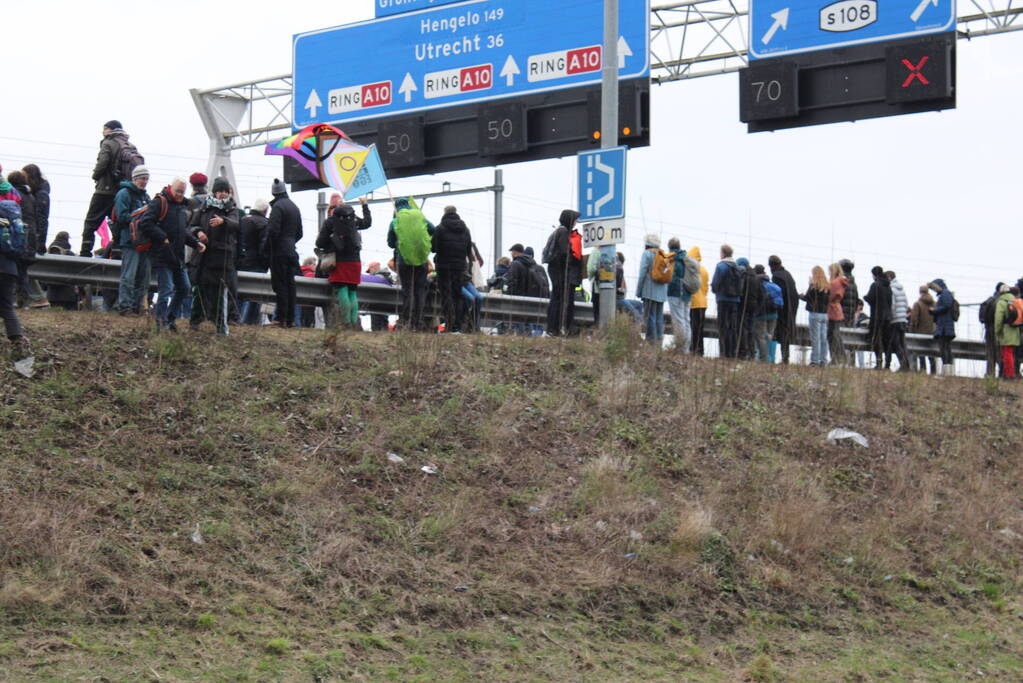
564 258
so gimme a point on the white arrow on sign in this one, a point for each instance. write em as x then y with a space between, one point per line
313 103
921 8
623 51
510 71
781 21
408 86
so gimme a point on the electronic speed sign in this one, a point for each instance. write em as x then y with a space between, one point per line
501 129
768 90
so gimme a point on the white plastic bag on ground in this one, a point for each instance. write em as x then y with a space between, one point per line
24 367
836 435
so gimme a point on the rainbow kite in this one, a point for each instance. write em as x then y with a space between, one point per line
326 152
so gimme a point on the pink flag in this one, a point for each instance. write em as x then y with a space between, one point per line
104 234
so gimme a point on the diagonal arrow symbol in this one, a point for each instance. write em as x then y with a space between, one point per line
781 21
921 8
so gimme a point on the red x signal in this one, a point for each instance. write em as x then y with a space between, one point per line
915 71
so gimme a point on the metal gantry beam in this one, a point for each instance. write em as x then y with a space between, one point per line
688 39
699 38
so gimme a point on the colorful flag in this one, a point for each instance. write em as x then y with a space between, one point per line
104 234
344 163
371 176
326 152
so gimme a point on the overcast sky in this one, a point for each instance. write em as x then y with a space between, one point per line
927 195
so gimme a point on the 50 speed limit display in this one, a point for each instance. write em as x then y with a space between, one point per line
501 129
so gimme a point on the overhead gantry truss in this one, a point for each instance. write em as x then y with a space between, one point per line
689 39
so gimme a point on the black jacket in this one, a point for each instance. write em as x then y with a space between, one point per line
106 162
783 279
253 231
218 259
880 299
341 235
519 281
170 235
452 243
284 230
816 300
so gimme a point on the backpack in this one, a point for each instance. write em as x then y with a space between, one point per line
125 161
13 238
414 242
140 242
550 250
987 311
731 285
775 298
1014 313
540 282
691 275
955 309
663 267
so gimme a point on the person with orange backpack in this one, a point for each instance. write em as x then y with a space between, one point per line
563 255
1008 320
656 270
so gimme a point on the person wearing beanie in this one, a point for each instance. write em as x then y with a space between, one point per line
135 265
922 322
880 299
215 225
108 178
252 233
340 236
452 242
944 323
652 293
1007 336
679 298
283 233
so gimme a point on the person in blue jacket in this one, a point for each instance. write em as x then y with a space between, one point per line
653 294
944 322
134 264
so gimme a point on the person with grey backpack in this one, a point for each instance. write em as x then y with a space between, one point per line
685 282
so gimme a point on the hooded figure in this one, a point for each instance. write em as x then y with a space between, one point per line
944 322
698 304
411 236
653 294
564 258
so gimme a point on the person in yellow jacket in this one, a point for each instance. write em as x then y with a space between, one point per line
698 304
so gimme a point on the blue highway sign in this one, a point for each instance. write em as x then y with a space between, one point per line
458 54
785 27
602 184
386 8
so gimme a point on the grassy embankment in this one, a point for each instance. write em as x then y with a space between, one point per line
188 507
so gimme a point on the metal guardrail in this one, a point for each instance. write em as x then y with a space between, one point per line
376 298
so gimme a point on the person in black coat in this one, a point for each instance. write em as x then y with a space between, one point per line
565 266
165 224
283 232
252 232
786 329
215 224
452 243
880 299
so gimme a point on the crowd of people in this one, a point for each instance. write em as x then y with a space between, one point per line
195 244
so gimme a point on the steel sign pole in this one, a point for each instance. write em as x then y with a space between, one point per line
498 214
609 138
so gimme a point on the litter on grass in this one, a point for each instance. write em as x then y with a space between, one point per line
24 367
836 435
